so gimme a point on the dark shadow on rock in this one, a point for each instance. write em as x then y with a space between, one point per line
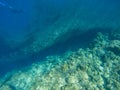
15 63
72 40
4 47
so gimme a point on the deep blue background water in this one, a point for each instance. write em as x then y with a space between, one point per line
39 14
17 25
13 24
13 29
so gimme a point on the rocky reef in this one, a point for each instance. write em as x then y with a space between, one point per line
94 68
93 65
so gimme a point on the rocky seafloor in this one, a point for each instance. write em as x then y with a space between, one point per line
94 64
96 67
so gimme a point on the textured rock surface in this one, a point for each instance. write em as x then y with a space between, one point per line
91 68
95 67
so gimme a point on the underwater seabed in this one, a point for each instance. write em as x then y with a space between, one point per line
79 50
95 67
70 55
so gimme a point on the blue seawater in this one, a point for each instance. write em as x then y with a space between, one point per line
31 30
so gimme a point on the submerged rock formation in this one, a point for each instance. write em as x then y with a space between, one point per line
90 68
81 16
77 18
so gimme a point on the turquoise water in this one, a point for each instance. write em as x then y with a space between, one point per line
75 41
